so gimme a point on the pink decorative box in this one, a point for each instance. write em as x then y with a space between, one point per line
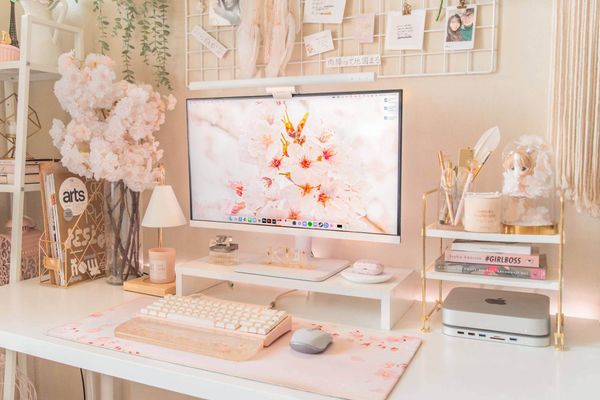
29 252
9 53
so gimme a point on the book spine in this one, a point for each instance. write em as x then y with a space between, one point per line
492 248
514 260
50 218
57 243
493 270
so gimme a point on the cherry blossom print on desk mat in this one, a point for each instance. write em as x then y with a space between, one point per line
359 364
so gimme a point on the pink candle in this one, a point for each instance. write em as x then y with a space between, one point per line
162 264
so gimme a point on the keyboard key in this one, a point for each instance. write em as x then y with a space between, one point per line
232 326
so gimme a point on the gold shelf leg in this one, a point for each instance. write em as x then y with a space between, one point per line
559 334
425 314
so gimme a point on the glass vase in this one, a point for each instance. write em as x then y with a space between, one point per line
123 240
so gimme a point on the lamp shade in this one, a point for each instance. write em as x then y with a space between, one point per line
163 210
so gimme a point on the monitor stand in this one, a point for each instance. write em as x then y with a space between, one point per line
315 270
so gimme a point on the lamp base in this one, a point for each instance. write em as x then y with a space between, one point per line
144 286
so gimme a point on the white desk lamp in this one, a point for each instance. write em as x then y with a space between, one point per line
163 211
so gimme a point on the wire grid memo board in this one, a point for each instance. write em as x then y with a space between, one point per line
206 71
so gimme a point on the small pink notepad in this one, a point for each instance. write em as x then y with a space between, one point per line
359 364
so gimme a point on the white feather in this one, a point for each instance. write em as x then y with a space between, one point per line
266 26
289 44
248 38
296 10
489 141
283 34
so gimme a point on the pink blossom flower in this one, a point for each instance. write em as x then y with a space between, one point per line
111 135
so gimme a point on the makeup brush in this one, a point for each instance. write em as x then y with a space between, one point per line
448 181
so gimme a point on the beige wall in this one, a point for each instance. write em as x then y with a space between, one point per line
439 114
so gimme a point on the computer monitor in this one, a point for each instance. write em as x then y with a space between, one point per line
317 165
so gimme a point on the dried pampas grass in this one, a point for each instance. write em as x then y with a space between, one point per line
248 38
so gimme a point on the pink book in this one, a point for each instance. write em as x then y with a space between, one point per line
513 260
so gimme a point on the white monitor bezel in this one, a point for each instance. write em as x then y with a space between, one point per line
310 232
282 230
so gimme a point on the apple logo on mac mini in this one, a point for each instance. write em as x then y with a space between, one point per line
499 301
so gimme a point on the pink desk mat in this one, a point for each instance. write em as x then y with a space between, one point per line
359 364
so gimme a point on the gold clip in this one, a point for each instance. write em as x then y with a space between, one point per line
406 8
463 4
5 39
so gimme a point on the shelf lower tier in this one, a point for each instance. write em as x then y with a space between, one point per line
547 284
30 187
449 232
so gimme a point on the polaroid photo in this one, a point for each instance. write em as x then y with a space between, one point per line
405 32
460 28
317 43
224 12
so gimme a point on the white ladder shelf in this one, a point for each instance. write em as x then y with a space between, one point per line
24 72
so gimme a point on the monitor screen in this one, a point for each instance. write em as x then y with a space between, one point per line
327 162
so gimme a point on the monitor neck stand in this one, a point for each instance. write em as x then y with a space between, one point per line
312 269
305 243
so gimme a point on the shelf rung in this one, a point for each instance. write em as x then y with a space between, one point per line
4 188
29 187
438 231
547 284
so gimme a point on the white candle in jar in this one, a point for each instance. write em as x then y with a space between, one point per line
483 212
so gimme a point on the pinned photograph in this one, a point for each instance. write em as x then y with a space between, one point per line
224 12
460 28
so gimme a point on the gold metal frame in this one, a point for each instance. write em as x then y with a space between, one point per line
426 314
51 268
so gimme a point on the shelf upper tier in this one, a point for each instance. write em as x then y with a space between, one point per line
449 232
9 70
547 284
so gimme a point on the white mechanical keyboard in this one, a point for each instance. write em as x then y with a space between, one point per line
215 314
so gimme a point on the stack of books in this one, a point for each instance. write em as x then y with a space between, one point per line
7 171
509 260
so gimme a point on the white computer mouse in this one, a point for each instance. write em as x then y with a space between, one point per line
310 341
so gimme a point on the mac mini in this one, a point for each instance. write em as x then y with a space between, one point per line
497 316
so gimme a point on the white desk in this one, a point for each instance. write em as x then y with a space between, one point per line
444 368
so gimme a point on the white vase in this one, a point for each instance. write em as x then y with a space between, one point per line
44 40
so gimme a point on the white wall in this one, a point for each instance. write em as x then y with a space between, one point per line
440 113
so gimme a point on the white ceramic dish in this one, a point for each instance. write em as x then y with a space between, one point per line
363 278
